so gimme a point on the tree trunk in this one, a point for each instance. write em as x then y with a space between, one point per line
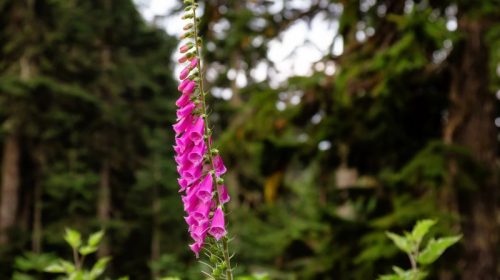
10 185
36 237
471 124
156 235
104 205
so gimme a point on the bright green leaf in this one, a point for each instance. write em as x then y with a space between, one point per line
399 271
68 267
401 274
86 250
95 238
55 268
435 248
390 277
401 242
73 238
421 229
78 275
99 267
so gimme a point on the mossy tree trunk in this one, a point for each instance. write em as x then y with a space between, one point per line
471 124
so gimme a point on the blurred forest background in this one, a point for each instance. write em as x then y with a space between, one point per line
396 121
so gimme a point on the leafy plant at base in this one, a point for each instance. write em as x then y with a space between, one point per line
411 244
76 270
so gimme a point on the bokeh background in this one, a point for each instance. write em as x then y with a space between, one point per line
338 120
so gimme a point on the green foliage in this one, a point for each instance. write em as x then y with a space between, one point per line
435 248
412 244
76 270
400 274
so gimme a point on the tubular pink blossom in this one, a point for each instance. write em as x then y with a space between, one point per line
192 174
196 154
196 248
184 73
196 132
182 124
183 100
217 228
205 188
183 183
223 194
201 211
194 63
190 201
220 168
189 88
183 84
185 111
199 229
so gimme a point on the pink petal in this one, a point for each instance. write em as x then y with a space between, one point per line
217 228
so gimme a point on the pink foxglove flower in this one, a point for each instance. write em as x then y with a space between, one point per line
188 89
199 164
217 228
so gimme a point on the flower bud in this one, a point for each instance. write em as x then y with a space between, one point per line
217 272
184 74
194 63
186 47
183 59
186 35
213 258
188 26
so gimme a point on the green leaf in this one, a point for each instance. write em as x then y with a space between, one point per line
68 267
435 248
399 271
390 277
22 276
400 241
95 238
78 275
61 266
55 268
99 267
421 229
73 238
86 250
401 274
